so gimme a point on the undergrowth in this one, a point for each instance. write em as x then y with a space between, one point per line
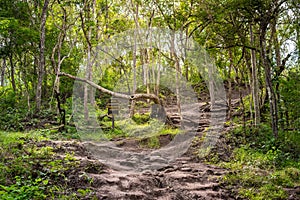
31 169
262 167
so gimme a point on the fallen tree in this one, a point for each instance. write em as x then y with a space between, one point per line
157 112
132 97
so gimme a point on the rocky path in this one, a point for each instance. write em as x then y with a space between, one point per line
183 179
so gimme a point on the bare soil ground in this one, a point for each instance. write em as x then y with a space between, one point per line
185 178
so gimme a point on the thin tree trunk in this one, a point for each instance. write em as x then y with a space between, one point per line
280 67
145 62
249 86
210 83
3 72
135 47
132 106
177 73
12 73
238 82
90 60
86 87
57 67
158 74
255 90
25 80
229 84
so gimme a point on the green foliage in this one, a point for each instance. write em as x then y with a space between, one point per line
141 118
31 169
261 139
255 183
262 167
14 113
10 116
18 161
290 94
169 131
24 189
266 192
114 133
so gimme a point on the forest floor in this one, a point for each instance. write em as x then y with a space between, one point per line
185 178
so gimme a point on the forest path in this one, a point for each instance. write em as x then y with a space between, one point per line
183 178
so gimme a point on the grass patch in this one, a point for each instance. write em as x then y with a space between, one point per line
151 142
141 118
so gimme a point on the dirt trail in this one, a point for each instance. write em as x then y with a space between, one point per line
184 179
181 178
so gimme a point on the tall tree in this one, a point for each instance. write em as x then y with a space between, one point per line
87 15
41 66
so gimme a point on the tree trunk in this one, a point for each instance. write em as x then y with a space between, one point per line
177 73
255 89
135 47
278 66
134 58
87 31
3 72
56 63
158 74
249 86
41 66
229 84
185 53
86 87
268 77
12 73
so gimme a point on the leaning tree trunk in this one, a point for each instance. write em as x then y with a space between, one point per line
137 96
